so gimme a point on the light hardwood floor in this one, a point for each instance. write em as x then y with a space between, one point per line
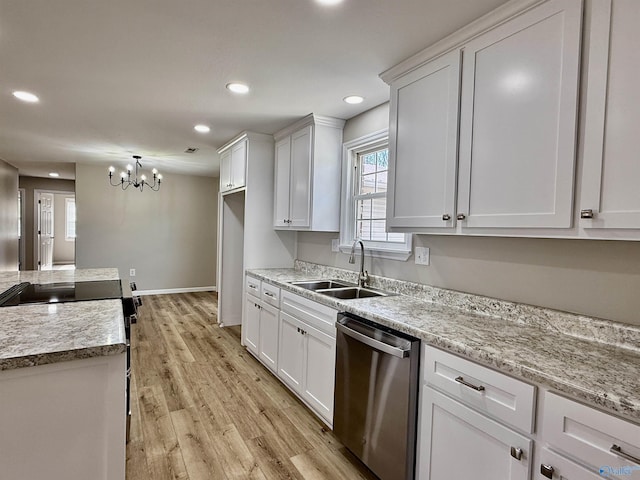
204 408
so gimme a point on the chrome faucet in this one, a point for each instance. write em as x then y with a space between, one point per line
363 276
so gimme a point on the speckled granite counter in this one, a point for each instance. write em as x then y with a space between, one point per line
39 334
592 360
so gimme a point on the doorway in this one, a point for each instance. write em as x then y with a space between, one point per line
54 230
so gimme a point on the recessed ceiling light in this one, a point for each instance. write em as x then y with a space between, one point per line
353 99
329 2
54 174
238 87
26 96
202 128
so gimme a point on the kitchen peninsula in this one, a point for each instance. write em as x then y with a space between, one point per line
62 383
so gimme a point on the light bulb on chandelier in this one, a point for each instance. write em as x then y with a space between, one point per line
126 181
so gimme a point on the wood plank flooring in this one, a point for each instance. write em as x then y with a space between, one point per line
204 408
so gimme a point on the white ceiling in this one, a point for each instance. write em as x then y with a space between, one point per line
122 77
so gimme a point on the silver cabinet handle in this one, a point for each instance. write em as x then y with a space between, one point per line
588 213
470 385
516 453
617 450
546 470
251 285
446 217
269 294
461 216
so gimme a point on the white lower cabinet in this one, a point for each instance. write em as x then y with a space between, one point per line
251 324
298 343
477 423
601 443
458 442
268 346
291 352
307 364
260 331
319 371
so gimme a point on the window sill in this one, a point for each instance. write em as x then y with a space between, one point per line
399 255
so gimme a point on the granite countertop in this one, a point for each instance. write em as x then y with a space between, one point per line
38 334
592 360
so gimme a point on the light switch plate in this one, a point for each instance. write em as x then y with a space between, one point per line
335 245
132 272
422 256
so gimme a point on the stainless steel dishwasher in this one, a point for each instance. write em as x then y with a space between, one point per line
376 395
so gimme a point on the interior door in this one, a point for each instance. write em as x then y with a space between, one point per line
45 231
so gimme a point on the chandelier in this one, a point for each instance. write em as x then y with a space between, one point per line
126 180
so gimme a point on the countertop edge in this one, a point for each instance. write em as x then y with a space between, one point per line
7 364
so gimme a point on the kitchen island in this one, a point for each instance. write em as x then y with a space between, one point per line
62 384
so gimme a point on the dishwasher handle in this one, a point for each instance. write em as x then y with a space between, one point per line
373 343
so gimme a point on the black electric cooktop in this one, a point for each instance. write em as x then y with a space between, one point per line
24 293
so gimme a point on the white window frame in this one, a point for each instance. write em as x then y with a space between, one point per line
350 151
67 201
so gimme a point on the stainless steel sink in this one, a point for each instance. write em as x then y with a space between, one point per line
321 284
351 293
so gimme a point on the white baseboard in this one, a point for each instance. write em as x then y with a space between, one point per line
210 288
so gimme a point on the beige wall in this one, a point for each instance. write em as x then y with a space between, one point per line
8 217
598 278
168 236
30 184
63 250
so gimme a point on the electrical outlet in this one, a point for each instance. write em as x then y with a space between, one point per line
422 256
132 272
335 245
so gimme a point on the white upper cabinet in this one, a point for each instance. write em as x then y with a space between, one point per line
518 120
233 166
423 145
281 189
308 175
610 194
484 125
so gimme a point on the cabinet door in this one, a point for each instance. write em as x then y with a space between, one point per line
301 170
282 185
225 171
269 336
611 167
251 324
239 164
291 352
423 145
457 442
319 371
557 467
518 120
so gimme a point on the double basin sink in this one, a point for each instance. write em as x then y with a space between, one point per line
339 289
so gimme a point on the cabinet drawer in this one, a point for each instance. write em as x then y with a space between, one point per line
313 313
590 435
252 286
270 294
490 392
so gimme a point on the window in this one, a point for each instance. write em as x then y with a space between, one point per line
70 218
365 203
